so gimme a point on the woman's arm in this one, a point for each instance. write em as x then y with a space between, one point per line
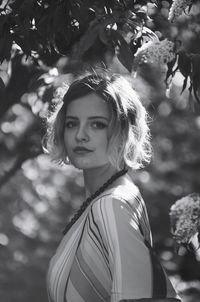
137 274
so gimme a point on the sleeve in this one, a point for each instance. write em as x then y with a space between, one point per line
136 271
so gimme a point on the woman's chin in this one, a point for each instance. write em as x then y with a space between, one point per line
82 164
86 165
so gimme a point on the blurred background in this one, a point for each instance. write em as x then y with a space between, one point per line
38 197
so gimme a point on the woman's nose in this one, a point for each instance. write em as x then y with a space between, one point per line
82 134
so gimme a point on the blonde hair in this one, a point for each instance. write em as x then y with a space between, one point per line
129 141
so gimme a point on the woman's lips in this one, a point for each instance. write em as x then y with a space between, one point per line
81 150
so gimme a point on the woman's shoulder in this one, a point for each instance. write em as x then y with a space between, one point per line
125 189
128 191
123 204
123 192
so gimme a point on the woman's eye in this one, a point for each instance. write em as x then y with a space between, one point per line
99 125
70 124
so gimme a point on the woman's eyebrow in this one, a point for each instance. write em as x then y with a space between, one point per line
71 117
90 117
98 117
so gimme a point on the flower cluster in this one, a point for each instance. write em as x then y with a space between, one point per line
157 52
185 218
177 8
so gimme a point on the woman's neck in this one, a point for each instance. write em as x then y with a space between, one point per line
94 178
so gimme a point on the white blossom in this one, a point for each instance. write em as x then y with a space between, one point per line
185 217
177 8
157 52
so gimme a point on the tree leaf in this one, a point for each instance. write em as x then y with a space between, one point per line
184 66
2 90
80 13
3 19
195 75
170 72
15 5
26 9
59 19
124 54
88 39
5 46
142 12
184 84
43 26
189 7
184 63
148 34
104 36
23 43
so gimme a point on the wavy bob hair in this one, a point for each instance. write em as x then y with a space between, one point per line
129 139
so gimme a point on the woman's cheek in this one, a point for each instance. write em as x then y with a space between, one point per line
68 139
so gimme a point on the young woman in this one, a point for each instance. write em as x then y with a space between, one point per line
106 252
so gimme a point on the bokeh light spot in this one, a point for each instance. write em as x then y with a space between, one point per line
4 240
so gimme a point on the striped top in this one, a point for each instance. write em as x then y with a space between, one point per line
107 254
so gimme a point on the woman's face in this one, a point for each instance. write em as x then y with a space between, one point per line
86 131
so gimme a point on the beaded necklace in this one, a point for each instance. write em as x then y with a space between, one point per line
93 196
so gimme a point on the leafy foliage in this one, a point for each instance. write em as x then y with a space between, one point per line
45 43
188 65
86 31
66 26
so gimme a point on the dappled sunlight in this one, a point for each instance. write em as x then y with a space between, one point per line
20 119
19 256
164 109
144 177
26 223
4 240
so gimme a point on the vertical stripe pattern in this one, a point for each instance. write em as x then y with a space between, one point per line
107 255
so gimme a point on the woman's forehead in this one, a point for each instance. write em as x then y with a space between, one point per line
91 104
